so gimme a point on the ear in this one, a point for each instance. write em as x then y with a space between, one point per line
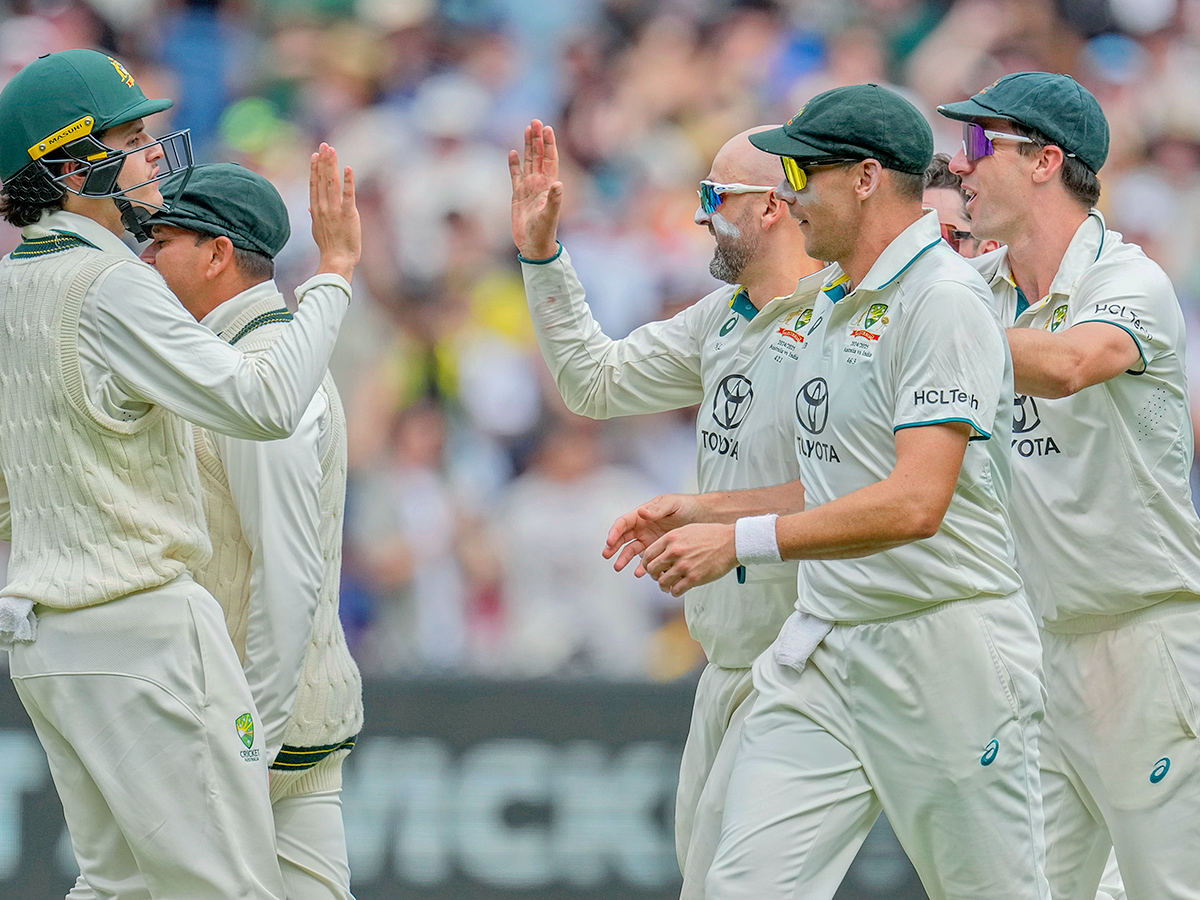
776 210
1049 161
221 258
868 175
77 178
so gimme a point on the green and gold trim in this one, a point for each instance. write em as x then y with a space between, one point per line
52 243
267 318
297 759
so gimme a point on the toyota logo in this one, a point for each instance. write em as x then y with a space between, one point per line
1025 414
812 405
734 394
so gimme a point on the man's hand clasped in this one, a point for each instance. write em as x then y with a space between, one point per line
671 544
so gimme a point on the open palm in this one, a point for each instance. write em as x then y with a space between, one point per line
537 193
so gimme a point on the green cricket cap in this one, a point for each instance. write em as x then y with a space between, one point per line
227 199
861 121
61 97
1056 105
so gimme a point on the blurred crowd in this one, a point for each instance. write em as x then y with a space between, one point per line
478 505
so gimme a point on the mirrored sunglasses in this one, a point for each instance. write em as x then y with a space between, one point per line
977 140
797 172
712 193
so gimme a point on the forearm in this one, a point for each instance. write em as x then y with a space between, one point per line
1043 365
653 369
726 507
161 355
872 519
1058 365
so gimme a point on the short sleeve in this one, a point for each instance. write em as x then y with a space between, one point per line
949 362
1137 297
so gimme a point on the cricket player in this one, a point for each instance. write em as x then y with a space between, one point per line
733 353
274 512
1108 541
121 660
908 679
944 193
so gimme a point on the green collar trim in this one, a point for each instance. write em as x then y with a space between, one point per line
740 304
267 318
51 243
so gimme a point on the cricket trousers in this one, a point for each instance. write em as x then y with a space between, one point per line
148 727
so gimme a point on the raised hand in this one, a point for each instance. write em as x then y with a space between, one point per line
537 193
335 224
636 530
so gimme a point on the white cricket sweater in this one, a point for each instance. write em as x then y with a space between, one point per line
328 712
101 508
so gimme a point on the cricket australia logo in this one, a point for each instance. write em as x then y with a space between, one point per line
876 315
732 401
245 729
1057 318
796 321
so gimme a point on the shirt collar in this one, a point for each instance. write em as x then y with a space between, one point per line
806 288
88 229
740 304
896 257
1083 250
224 315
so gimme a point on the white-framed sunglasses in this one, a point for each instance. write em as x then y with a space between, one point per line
977 140
713 192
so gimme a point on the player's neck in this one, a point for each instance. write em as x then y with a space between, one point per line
101 210
775 274
874 236
1036 254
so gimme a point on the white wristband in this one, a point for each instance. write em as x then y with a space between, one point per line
755 542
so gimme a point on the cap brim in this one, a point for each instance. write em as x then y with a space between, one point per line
780 143
969 110
139 110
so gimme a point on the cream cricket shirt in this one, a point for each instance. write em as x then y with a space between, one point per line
139 347
914 344
1101 501
275 486
739 365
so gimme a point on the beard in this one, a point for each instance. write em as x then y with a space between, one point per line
733 251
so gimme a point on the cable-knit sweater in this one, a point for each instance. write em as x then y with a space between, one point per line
328 712
100 508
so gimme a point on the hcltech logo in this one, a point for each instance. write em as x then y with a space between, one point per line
1161 768
245 730
989 754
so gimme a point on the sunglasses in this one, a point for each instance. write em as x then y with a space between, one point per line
977 140
796 171
954 237
712 193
